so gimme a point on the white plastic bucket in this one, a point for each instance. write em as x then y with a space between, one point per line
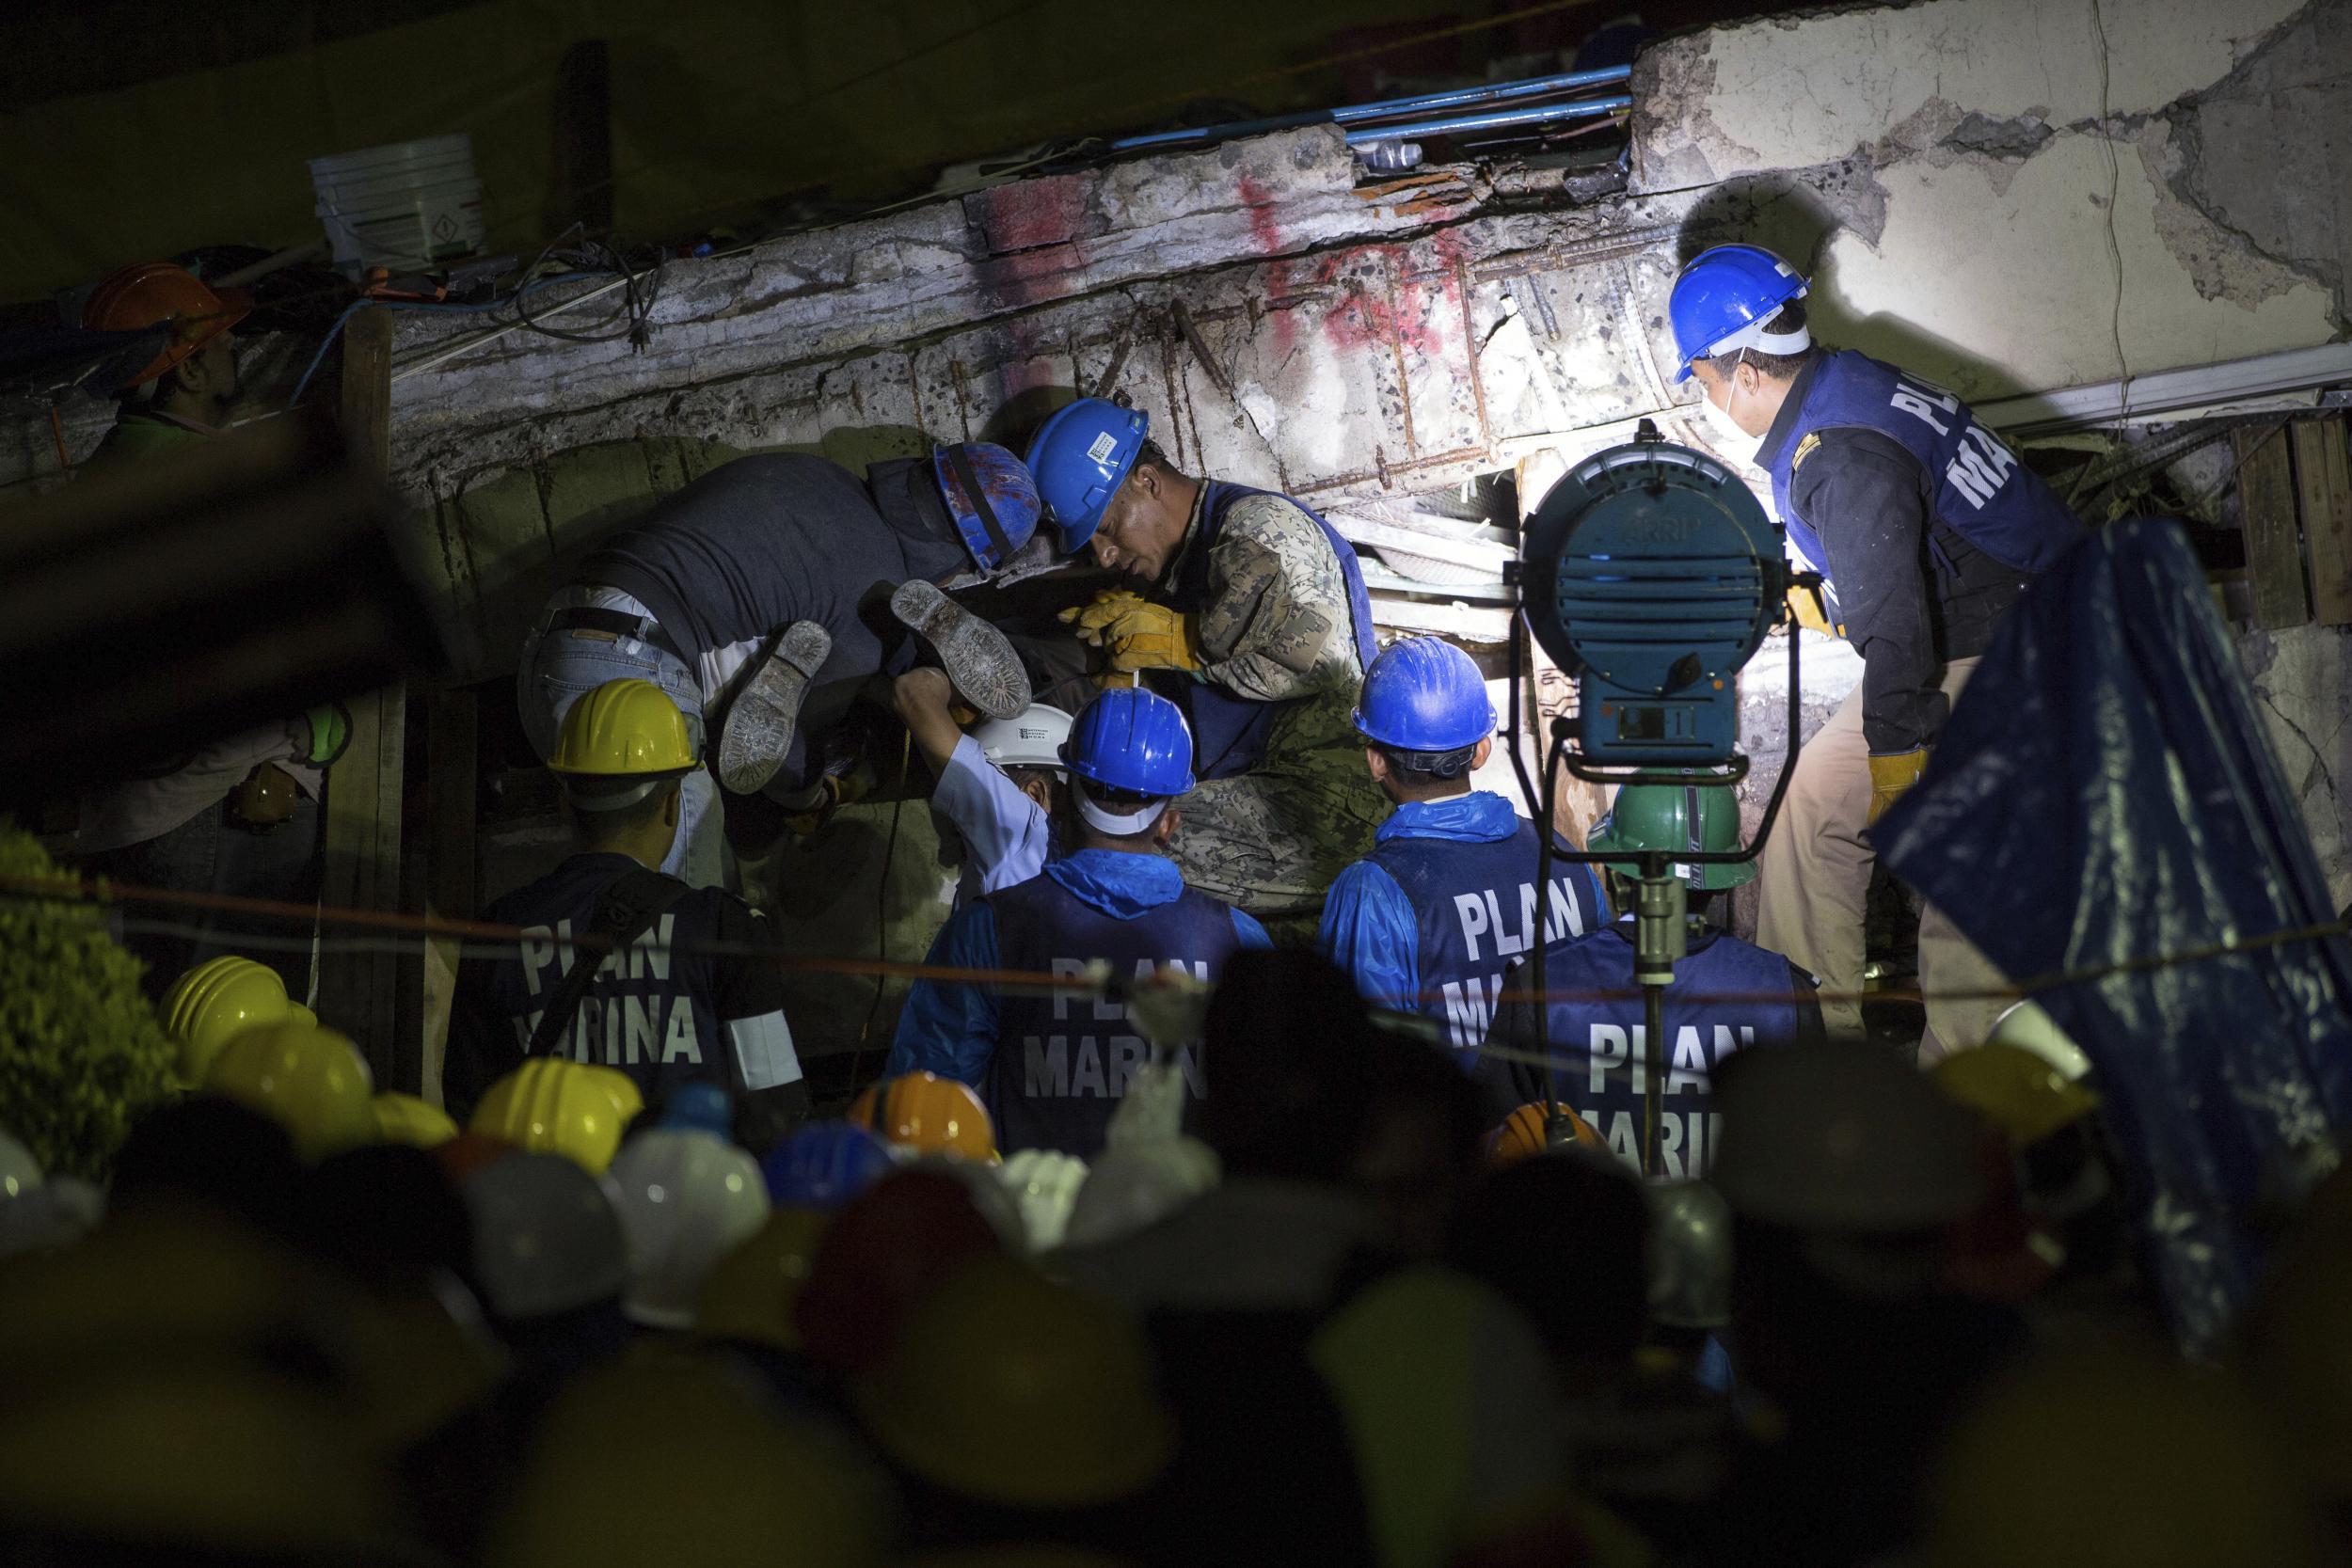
405 206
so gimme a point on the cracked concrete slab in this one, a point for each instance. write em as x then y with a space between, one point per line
2261 152
2003 196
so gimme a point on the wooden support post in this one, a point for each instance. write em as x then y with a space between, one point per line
447 859
2323 481
358 990
2274 554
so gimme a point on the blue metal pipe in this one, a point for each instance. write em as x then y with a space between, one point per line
1222 132
1350 114
1496 120
1493 92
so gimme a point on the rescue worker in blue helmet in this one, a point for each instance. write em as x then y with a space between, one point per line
1928 528
1053 1067
765 596
1727 994
1431 919
658 1002
1252 612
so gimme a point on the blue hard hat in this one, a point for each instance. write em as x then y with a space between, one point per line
700 1108
990 496
825 1164
1081 455
1424 694
1131 739
1723 292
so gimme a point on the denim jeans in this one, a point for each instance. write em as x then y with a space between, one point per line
559 668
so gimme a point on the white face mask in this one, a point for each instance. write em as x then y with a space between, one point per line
1725 434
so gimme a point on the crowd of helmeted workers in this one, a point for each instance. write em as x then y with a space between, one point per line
1338 1320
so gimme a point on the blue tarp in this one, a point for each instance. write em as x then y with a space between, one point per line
2104 792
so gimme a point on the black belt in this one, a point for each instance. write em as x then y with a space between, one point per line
620 624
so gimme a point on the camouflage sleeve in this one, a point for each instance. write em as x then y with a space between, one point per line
1276 624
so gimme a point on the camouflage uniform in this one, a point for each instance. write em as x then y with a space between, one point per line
1276 629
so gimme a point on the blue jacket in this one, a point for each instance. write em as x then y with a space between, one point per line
1430 920
1727 995
1096 900
1980 488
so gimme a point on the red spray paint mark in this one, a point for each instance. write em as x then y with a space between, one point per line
1031 228
1030 213
1263 228
1410 312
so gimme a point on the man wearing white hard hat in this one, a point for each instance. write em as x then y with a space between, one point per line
998 784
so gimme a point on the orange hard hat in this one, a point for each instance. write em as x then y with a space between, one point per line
928 1114
147 293
1522 1134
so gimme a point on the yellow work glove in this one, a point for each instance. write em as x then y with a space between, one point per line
1811 610
1892 774
1152 637
1088 620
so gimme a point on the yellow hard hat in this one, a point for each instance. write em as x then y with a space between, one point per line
403 1118
2015 1089
1008 1387
925 1111
214 1001
624 729
145 1343
2115 1454
554 1105
313 1080
749 1296
671 1459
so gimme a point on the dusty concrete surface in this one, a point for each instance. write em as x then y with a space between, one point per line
2006 194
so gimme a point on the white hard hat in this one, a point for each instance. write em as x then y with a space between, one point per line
1032 739
687 1198
57 1212
1045 1183
20 1173
1133 1184
2028 1027
1843 1137
544 1237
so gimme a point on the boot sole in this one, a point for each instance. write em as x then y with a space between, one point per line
767 709
979 661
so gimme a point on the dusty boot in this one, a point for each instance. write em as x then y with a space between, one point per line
980 661
768 705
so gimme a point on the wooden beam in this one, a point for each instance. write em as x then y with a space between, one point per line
358 990
2274 553
2323 483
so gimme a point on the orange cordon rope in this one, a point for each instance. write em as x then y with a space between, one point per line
66 887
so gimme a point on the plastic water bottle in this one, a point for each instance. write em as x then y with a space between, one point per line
1389 157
